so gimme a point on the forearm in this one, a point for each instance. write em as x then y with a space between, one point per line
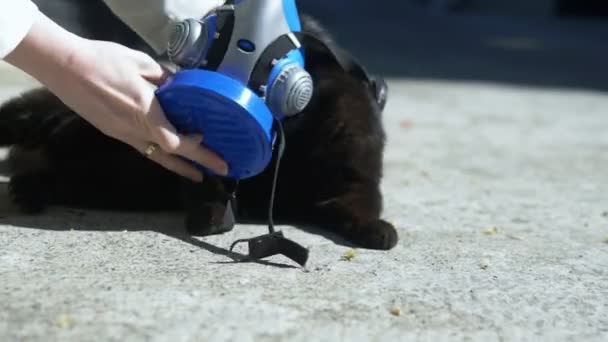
111 87
45 52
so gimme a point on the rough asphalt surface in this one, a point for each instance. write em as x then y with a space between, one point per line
499 193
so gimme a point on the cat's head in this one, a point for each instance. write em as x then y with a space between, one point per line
324 52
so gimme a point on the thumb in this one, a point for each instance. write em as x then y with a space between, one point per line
156 74
152 71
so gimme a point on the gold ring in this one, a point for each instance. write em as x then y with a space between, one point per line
150 149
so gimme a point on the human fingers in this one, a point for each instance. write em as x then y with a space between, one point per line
156 74
172 163
189 147
151 70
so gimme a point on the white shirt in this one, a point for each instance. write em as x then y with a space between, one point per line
16 19
151 19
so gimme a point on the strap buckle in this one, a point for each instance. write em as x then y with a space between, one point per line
271 244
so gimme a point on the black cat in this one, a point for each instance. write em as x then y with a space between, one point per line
329 175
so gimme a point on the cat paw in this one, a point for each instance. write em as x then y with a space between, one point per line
209 219
29 192
378 235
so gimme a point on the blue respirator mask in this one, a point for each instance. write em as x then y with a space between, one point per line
241 71
241 68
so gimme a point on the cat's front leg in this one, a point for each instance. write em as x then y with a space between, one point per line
355 215
209 206
31 191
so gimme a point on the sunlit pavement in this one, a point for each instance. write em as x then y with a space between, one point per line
499 193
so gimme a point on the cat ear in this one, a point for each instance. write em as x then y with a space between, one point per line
380 89
321 49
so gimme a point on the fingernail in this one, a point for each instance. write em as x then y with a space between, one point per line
223 169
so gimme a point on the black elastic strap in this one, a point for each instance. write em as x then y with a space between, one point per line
259 75
274 242
225 26
275 177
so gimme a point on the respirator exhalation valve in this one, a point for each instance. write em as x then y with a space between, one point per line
291 91
187 43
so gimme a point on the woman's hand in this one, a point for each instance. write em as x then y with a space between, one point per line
112 87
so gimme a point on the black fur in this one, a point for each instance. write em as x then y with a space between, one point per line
329 177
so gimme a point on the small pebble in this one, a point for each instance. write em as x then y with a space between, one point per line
519 220
406 124
514 237
396 312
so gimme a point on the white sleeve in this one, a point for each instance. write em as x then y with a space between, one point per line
152 20
16 19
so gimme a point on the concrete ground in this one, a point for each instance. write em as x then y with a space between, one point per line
499 193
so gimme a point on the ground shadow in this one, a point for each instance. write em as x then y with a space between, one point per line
169 224
63 219
305 227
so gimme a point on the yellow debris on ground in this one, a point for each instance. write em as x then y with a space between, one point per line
491 231
349 255
64 321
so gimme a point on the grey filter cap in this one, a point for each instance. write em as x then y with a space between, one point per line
291 92
187 43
